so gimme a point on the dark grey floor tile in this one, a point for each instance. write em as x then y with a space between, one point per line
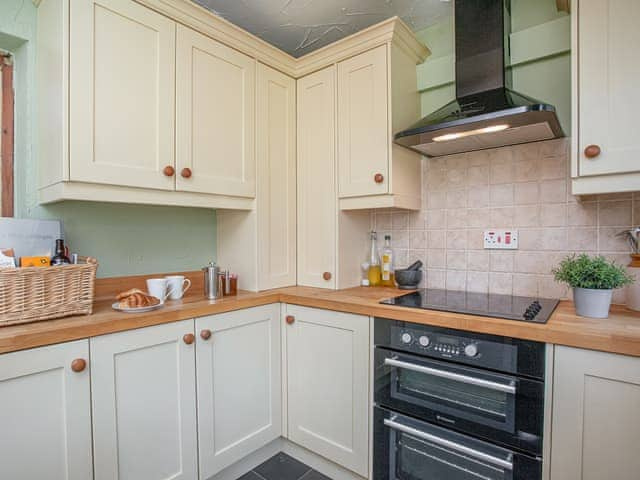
282 467
314 475
250 476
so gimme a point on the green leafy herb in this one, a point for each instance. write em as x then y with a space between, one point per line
583 271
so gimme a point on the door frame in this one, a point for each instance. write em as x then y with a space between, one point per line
7 106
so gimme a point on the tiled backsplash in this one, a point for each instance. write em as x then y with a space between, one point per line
525 187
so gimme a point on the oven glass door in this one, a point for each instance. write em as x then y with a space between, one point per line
407 449
502 407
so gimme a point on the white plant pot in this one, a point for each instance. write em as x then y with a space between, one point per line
592 303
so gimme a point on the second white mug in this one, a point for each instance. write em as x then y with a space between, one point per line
157 287
177 286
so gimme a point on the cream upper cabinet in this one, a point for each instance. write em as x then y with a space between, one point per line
363 124
596 416
317 196
143 390
121 113
45 414
606 75
239 385
327 368
215 104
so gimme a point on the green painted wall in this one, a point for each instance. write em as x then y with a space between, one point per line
126 239
547 79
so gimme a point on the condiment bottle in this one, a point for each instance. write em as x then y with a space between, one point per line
387 263
374 262
60 257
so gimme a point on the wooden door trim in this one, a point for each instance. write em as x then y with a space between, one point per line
7 110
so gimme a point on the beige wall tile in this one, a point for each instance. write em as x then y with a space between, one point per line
437 179
477 217
553 239
478 196
456 280
478 282
608 241
436 258
437 200
583 214
501 173
525 285
418 239
553 168
478 175
456 178
526 193
436 239
526 171
583 239
526 216
553 215
399 221
456 259
456 239
549 288
501 283
529 262
501 195
400 257
399 239
616 213
457 218
436 219
478 260
501 217
383 221
457 198
436 278
501 261
417 221
553 191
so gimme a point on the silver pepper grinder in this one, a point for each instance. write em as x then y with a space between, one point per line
211 290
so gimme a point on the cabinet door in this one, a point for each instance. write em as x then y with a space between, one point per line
608 76
596 416
122 77
363 124
316 179
239 386
328 385
277 179
45 414
144 404
215 104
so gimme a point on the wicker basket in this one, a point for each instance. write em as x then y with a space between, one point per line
42 293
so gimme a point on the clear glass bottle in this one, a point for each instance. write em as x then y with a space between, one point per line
387 263
374 262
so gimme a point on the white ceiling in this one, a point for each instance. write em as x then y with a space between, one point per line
302 26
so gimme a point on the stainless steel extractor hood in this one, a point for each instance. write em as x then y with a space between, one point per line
486 112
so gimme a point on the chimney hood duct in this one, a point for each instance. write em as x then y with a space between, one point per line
486 113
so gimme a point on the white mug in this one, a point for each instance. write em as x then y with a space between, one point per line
178 286
157 287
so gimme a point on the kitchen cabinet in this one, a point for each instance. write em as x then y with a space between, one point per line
596 416
261 245
606 73
215 111
143 391
121 64
239 385
45 413
327 369
377 96
317 226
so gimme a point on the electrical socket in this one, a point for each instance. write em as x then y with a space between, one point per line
501 239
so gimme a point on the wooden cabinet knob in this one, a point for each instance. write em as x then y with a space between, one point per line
326 276
205 334
592 151
186 172
189 338
378 177
78 365
290 319
169 171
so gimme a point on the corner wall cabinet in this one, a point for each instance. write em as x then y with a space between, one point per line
327 365
596 416
606 146
45 413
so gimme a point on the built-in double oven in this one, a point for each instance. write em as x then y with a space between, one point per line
455 405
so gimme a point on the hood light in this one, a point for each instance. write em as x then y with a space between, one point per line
479 131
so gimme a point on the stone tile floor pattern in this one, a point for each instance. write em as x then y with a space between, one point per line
283 467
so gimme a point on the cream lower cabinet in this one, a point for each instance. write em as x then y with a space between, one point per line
596 416
143 390
327 369
45 414
239 385
606 72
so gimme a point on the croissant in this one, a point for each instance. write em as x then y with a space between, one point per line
136 298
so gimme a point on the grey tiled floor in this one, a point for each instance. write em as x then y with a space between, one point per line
283 467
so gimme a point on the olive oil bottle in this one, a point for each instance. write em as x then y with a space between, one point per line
387 263
374 263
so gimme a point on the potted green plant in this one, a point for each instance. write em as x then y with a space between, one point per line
593 280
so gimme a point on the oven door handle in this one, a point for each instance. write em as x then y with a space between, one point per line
472 452
479 382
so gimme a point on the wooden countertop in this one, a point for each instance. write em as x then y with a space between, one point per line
620 333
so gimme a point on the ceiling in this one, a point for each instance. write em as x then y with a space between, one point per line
302 26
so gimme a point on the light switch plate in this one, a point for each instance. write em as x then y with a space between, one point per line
501 239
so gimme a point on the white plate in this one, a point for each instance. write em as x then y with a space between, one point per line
117 307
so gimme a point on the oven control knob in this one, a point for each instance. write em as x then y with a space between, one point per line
424 341
406 338
471 350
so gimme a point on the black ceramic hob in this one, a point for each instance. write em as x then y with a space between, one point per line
525 309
